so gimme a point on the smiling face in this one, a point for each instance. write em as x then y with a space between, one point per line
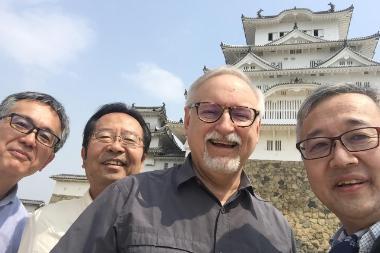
20 154
107 162
221 146
348 183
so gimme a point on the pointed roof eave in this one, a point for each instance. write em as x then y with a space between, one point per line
149 110
227 47
263 18
338 55
294 34
257 60
344 16
169 134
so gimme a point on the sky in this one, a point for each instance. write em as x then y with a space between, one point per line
90 52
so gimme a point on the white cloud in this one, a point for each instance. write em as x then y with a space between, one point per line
41 37
156 82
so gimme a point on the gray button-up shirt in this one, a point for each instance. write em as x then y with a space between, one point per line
171 211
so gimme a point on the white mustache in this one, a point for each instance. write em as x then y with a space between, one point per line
232 137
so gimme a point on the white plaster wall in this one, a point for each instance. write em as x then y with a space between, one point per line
291 61
331 30
330 78
288 146
160 164
70 188
154 142
153 121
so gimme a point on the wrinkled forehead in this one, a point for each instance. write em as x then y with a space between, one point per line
226 89
41 114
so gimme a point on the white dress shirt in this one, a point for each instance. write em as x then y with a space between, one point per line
49 223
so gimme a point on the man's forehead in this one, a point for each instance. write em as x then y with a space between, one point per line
120 120
343 112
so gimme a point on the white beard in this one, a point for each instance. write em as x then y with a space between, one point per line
222 164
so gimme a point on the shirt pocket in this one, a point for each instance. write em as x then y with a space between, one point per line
150 240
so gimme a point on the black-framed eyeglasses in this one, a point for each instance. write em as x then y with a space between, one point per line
127 139
210 112
26 126
355 140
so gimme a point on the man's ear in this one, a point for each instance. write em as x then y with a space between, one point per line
186 121
143 157
258 130
48 160
83 154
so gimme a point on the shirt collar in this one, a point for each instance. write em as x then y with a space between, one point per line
10 197
186 173
374 232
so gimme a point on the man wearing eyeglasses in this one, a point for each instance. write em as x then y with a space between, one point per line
115 142
338 137
33 127
204 205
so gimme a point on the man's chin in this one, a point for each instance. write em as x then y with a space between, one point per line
225 165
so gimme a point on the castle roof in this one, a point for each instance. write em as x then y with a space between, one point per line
343 17
345 54
234 53
168 144
69 177
152 111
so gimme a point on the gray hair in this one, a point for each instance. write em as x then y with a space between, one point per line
9 101
326 91
226 70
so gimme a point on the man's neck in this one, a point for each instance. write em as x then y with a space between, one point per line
6 185
222 185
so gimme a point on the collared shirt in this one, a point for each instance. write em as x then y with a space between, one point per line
169 211
49 223
366 237
13 216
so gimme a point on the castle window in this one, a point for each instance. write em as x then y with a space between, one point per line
295 51
366 84
166 165
270 36
318 33
314 63
277 145
269 145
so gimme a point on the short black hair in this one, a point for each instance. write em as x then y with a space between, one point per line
114 108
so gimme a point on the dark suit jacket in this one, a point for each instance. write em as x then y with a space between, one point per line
376 246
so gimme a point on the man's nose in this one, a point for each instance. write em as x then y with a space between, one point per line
117 145
30 138
225 124
341 157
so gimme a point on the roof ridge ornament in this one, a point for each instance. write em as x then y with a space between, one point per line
295 26
259 13
345 44
332 7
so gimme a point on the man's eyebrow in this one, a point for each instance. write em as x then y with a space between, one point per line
34 124
353 122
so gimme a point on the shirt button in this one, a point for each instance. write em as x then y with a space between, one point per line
222 210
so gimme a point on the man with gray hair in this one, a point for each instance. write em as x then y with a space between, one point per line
33 127
204 205
338 130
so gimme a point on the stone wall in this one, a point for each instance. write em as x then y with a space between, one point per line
285 184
